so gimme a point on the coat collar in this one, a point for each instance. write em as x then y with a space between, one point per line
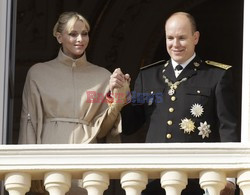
168 71
82 61
189 71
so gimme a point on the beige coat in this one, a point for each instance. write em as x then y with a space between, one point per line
57 106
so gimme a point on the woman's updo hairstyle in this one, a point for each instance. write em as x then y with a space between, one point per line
67 20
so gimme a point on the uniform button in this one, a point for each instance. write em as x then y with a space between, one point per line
168 136
173 98
170 122
171 109
198 91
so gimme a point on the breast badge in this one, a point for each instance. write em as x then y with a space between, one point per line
204 129
196 110
187 125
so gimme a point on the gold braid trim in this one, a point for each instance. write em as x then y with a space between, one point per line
217 64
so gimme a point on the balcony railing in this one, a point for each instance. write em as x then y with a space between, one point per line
133 164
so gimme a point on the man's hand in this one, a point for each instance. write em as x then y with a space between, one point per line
121 95
117 79
120 90
229 189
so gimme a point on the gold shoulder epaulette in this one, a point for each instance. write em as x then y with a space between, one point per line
217 64
153 64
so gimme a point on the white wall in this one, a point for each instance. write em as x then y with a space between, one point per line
4 26
245 129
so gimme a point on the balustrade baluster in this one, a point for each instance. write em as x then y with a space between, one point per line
244 181
173 182
212 181
17 183
133 182
95 182
57 183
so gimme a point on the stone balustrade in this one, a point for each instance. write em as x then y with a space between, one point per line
133 164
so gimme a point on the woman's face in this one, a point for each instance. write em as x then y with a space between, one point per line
76 41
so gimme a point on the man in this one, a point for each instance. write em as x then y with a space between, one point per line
184 99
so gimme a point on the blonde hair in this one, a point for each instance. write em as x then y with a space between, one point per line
67 20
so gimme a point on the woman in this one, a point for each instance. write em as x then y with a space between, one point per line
64 99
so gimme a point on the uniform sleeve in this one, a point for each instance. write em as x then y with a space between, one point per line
31 114
133 114
226 109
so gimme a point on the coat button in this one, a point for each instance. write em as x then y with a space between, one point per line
173 98
170 122
171 109
168 136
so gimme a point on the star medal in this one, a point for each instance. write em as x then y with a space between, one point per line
187 125
197 110
204 129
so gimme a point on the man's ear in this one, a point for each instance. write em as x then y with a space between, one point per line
196 37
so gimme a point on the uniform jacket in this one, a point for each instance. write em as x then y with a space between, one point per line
57 106
200 110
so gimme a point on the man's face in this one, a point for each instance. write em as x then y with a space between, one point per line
180 39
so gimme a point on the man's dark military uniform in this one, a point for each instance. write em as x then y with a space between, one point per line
199 108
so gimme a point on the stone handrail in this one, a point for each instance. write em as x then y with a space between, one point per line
134 164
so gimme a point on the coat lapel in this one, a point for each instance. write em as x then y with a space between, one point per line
169 71
191 69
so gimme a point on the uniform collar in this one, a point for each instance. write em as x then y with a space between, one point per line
168 70
189 71
70 61
191 68
174 63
